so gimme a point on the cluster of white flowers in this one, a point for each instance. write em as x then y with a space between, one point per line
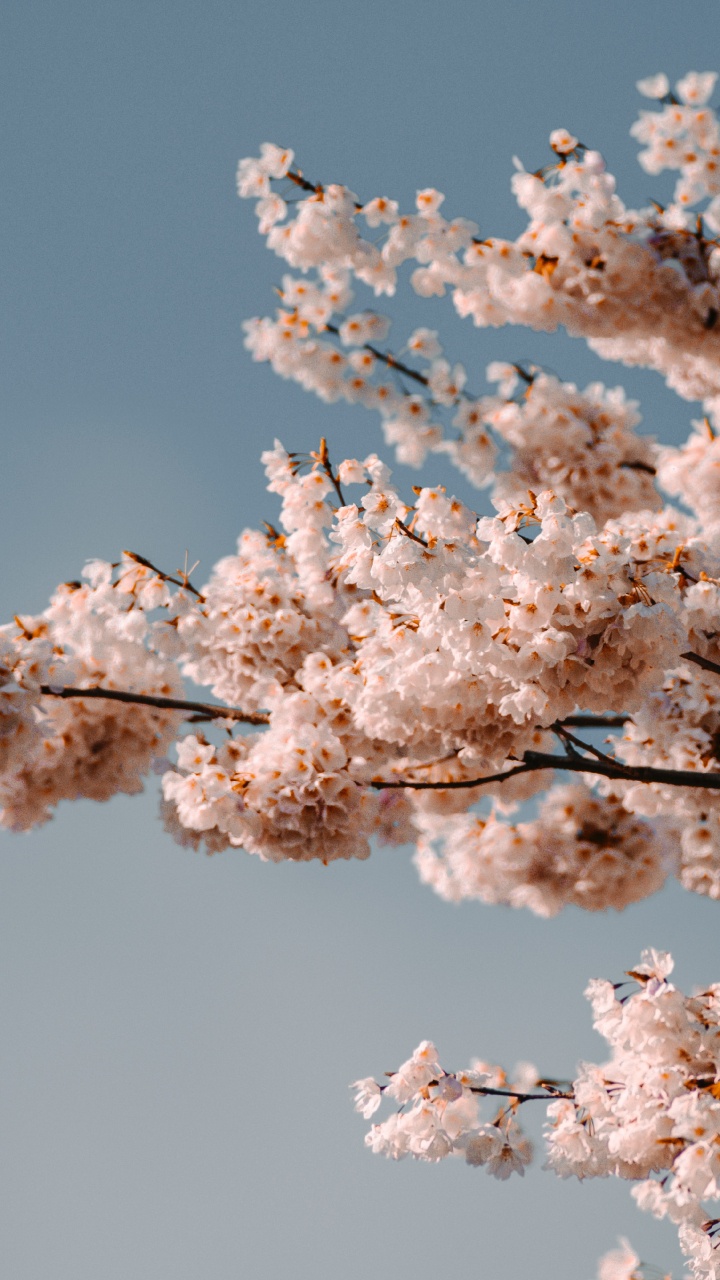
438 1114
412 422
91 635
582 848
651 1114
285 794
654 1108
579 444
640 286
692 473
384 638
396 643
679 726
683 136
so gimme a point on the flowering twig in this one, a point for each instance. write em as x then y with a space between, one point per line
387 358
316 188
183 582
323 458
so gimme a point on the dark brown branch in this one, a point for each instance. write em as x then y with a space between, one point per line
705 663
315 187
408 533
202 710
485 1090
535 760
595 722
392 784
572 744
302 182
521 1097
639 466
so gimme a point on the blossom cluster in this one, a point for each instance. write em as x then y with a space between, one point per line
438 1113
651 1114
413 645
95 633
387 639
601 855
582 445
400 657
640 285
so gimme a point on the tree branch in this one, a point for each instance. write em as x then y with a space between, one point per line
521 1097
535 760
595 722
202 710
381 785
705 663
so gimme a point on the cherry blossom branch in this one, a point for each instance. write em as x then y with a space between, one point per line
209 711
532 761
517 1094
203 710
521 1097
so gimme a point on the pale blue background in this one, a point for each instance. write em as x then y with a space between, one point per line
177 1034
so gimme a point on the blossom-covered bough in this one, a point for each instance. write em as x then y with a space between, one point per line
651 1114
388 665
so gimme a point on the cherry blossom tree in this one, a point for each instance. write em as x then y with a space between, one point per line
388 665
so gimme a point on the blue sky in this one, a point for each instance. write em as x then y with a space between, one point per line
179 1032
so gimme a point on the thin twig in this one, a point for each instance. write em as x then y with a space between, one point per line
381 784
386 357
204 710
571 743
408 533
323 457
521 1097
177 582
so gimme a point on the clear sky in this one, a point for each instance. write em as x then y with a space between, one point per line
178 1033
